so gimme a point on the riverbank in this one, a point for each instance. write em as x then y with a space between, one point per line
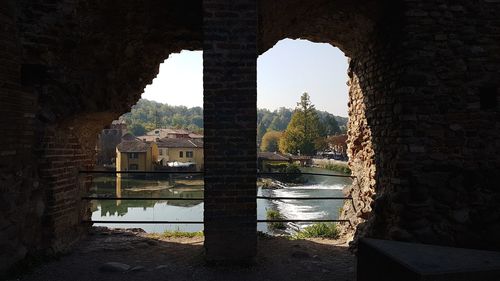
332 165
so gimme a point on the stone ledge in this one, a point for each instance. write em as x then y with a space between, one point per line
391 260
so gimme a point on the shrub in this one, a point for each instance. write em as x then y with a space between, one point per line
319 230
275 215
293 173
338 168
279 166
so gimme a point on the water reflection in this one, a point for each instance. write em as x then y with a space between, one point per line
192 210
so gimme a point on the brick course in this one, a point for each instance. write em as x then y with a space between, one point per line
230 118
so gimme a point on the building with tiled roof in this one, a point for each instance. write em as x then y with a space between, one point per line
134 154
169 133
268 161
272 161
180 152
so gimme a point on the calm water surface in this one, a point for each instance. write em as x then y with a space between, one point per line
191 210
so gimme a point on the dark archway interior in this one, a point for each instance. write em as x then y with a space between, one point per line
422 144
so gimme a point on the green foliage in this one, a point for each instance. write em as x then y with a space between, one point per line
303 130
278 121
319 230
275 215
321 144
137 129
270 141
278 166
293 173
146 114
177 234
329 123
343 168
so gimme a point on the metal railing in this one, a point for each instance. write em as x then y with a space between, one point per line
202 199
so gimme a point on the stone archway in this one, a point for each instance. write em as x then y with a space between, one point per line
422 175
352 28
422 139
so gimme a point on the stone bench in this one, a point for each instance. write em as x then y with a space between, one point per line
391 260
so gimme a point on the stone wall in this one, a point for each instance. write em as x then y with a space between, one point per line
443 185
424 103
422 140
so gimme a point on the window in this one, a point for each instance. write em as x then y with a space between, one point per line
181 154
133 155
189 154
160 151
133 167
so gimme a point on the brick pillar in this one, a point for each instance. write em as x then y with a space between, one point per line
230 117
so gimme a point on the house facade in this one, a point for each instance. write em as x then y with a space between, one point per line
134 154
181 152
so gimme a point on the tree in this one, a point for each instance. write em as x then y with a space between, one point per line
338 144
303 129
264 118
148 113
330 124
137 129
270 141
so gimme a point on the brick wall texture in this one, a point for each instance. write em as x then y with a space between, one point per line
423 110
230 118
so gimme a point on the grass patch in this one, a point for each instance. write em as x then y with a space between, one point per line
176 234
319 230
342 168
275 215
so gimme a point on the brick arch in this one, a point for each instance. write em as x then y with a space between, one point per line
355 30
419 138
74 67
408 72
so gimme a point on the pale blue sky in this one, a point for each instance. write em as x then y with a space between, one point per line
284 72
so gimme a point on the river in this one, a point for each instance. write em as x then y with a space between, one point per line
190 210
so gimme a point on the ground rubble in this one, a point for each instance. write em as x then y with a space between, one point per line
132 254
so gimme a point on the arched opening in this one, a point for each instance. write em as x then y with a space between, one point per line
350 28
315 143
161 136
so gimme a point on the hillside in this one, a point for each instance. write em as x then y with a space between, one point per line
146 115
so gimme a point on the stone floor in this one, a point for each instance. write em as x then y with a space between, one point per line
132 255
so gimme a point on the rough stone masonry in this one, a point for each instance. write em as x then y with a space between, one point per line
424 124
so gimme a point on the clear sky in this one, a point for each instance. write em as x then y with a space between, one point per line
284 72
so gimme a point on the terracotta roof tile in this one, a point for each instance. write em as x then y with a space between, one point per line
132 144
184 143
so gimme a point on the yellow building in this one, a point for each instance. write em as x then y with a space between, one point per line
133 154
181 152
